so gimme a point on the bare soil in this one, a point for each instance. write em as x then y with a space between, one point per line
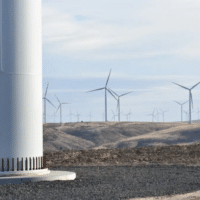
121 143
187 155
126 160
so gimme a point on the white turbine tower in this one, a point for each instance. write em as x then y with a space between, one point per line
60 106
45 99
21 138
153 116
198 113
181 107
90 116
78 115
129 115
70 115
118 101
113 116
104 88
163 113
157 114
126 116
187 117
190 98
54 115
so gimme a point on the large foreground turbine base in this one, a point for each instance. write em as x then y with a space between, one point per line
47 175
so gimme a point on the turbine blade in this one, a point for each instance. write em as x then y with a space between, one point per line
111 93
96 89
108 78
46 89
185 102
57 99
181 86
194 85
112 112
177 102
50 102
57 108
124 94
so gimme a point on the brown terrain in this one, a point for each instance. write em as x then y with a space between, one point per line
122 143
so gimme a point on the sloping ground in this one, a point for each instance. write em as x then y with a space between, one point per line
101 135
130 144
147 171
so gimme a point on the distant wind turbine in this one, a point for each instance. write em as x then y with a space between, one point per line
186 112
198 113
153 116
158 116
113 115
45 99
104 88
181 107
70 114
129 115
60 106
126 116
90 116
163 113
78 115
190 98
54 115
118 101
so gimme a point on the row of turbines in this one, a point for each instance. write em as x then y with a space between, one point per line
117 98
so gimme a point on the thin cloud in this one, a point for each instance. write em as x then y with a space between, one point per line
159 23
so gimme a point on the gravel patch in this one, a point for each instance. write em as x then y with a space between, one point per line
111 182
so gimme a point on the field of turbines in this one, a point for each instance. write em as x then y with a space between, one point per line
161 159
155 116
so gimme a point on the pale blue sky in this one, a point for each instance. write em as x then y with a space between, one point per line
148 45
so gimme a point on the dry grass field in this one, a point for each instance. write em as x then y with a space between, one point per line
123 144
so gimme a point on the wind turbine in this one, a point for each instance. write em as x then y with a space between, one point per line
113 115
158 116
105 95
54 115
190 98
90 116
60 106
45 99
118 101
129 115
186 112
70 116
126 116
181 107
198 113
78 116
163 114
153 116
